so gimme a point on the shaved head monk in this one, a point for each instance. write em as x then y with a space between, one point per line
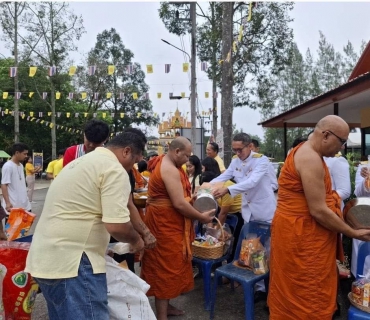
305 238
169 214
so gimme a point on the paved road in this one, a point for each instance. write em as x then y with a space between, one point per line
230 304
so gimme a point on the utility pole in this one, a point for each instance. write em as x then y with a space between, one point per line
193 85
16 88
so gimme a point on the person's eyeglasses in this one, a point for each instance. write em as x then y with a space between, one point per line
342 141
239 150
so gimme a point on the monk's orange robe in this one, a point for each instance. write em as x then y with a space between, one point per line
303 270
167 268
139 180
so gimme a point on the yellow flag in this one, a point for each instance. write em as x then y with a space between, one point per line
234 46
85 114
240 36
250 11
134 95
183 94
42 121
61 127
104 115
69 129
185 67
51 125
159 95
30 94
109 95
111 69
83 95
49 114
111 134
72 70
5 95
206 94
138 114
6 111
23 116
68 114
31 113
32 71
149 68
121 114
57 95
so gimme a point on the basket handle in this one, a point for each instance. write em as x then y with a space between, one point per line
222 229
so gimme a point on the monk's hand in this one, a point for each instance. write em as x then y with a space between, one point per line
364 172
207 216
362 234
219 192
136 247
149 240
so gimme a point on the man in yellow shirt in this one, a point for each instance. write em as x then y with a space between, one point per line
83 206
54 167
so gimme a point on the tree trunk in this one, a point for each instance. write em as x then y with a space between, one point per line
16 88
53 129
214 108
227 79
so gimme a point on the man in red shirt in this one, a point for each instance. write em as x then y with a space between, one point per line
95 135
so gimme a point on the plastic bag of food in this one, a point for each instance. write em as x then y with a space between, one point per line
248 247
260 262
2 276
19 289
19 223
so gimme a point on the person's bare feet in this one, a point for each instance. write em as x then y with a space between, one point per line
173 311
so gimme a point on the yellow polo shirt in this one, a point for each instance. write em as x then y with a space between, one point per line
220 163
89 191
58 166
227 200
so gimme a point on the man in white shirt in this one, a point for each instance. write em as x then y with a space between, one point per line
13 182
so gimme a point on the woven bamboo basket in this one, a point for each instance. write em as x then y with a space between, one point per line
211 252
358 306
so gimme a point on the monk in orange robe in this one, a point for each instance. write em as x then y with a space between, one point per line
167 268
305 238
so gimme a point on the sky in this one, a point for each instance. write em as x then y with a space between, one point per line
141 30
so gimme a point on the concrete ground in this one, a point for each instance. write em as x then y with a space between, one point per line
229 304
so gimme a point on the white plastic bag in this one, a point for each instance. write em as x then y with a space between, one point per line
126 294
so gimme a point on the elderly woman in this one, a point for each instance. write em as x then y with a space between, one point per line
212 151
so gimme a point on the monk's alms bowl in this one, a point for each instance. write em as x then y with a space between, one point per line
357 213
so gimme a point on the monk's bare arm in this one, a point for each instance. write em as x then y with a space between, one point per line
309 166
172 180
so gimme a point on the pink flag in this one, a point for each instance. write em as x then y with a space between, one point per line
92 70
52 71
12 71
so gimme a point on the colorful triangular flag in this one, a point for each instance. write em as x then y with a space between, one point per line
185 67
5 95
121 95
171 94
96 95
92 70
30 95
134 95
206 94
83 95
72 70
57 95
44 95
167 68
32 71
149 68
203 66
159 95
109 95
130 68
18 95
12 71
146 95
52 71
70 95
111 69
182 94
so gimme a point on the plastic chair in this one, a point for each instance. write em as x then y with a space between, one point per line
246 277
205 266
363 252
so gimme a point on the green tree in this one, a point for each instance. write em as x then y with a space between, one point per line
110 50
52 29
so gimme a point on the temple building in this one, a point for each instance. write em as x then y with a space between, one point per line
168 130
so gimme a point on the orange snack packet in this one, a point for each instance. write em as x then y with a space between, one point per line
19 223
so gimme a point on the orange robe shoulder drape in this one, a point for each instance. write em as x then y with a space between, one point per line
167 268
303 278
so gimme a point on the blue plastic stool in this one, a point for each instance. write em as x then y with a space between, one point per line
206 265
245 277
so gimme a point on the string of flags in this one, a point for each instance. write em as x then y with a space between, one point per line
91 70
59 127
97 96
102 114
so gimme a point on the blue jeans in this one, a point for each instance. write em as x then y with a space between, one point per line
82 297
